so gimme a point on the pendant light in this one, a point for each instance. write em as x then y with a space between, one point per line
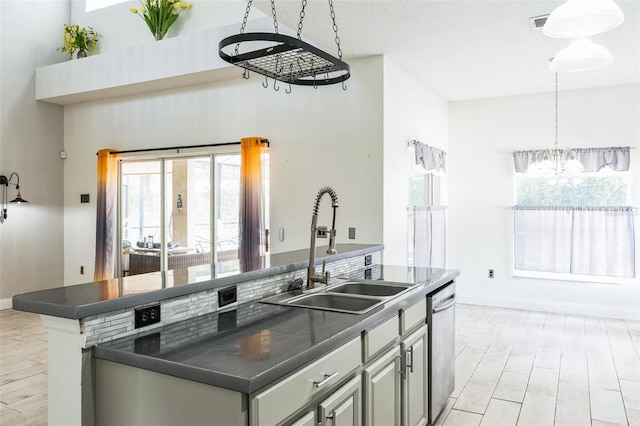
551 159
582 18
581 55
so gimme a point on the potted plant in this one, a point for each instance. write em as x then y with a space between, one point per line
160 15
79 39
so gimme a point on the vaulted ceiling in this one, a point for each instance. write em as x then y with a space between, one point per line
464 49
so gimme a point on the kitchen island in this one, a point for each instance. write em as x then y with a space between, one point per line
240 347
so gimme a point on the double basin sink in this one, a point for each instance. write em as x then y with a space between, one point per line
347 296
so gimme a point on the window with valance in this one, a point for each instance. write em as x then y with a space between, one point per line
575 223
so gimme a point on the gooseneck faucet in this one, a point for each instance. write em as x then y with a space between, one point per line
312 277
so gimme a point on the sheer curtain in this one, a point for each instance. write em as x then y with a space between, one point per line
429 237
579 240
106 215
252 198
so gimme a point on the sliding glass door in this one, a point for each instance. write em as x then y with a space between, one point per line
172 209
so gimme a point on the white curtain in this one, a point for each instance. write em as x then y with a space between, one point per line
429 237
578 240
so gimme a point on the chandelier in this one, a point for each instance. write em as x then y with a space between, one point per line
557 161
284 58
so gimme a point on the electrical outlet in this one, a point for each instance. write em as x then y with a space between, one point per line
147 316
490 273
367 260
82 270
352 233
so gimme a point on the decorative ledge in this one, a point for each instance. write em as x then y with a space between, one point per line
175 62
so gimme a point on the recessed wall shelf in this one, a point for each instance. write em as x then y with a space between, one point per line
171 63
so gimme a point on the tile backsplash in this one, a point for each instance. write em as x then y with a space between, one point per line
113 325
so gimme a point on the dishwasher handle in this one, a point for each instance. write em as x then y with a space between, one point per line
445 306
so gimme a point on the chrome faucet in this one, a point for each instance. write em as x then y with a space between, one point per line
323 278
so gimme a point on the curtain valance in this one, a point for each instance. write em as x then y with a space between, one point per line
430 158
593 159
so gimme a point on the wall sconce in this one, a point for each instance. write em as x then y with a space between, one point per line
4 183
179 203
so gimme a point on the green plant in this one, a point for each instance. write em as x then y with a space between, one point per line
76 38
160 15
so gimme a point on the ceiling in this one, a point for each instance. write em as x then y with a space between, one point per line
464 49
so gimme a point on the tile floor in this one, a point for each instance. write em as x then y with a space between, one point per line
513 367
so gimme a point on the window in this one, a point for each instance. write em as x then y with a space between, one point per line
172 209
426 219
603 188
91 5
575 225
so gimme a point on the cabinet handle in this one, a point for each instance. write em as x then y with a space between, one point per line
410 365
327 378
402 363
332 416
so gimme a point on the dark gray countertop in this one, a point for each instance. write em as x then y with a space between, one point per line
83 300
255 344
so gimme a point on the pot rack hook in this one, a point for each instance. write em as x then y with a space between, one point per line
289 82
266 82
274 85
245 74
344 86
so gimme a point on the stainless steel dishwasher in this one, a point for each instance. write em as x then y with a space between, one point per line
442 348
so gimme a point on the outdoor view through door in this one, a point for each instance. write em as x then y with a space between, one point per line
170 223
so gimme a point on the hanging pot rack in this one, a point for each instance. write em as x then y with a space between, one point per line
284 58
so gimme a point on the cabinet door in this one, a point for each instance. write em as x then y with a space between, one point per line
415 397
382 390
309 419
342 408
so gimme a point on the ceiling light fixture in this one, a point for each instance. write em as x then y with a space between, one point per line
284 58
583 18
4 183
550 159
581 55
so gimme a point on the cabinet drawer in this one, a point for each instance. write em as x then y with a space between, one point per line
414 315
294 392
379 337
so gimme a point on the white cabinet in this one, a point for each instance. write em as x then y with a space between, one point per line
395 385
415 378
382 390
343 407
301 389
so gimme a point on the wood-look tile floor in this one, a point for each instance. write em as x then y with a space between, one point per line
513 367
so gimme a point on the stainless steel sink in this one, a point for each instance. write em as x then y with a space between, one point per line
346 296
335 302
368 288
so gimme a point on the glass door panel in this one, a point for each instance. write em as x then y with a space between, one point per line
188 212
141 212
227 206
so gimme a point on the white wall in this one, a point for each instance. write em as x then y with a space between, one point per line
482 135
411 111
318 137
31 239
121 29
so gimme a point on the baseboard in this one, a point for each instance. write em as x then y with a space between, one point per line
5 304
555 307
